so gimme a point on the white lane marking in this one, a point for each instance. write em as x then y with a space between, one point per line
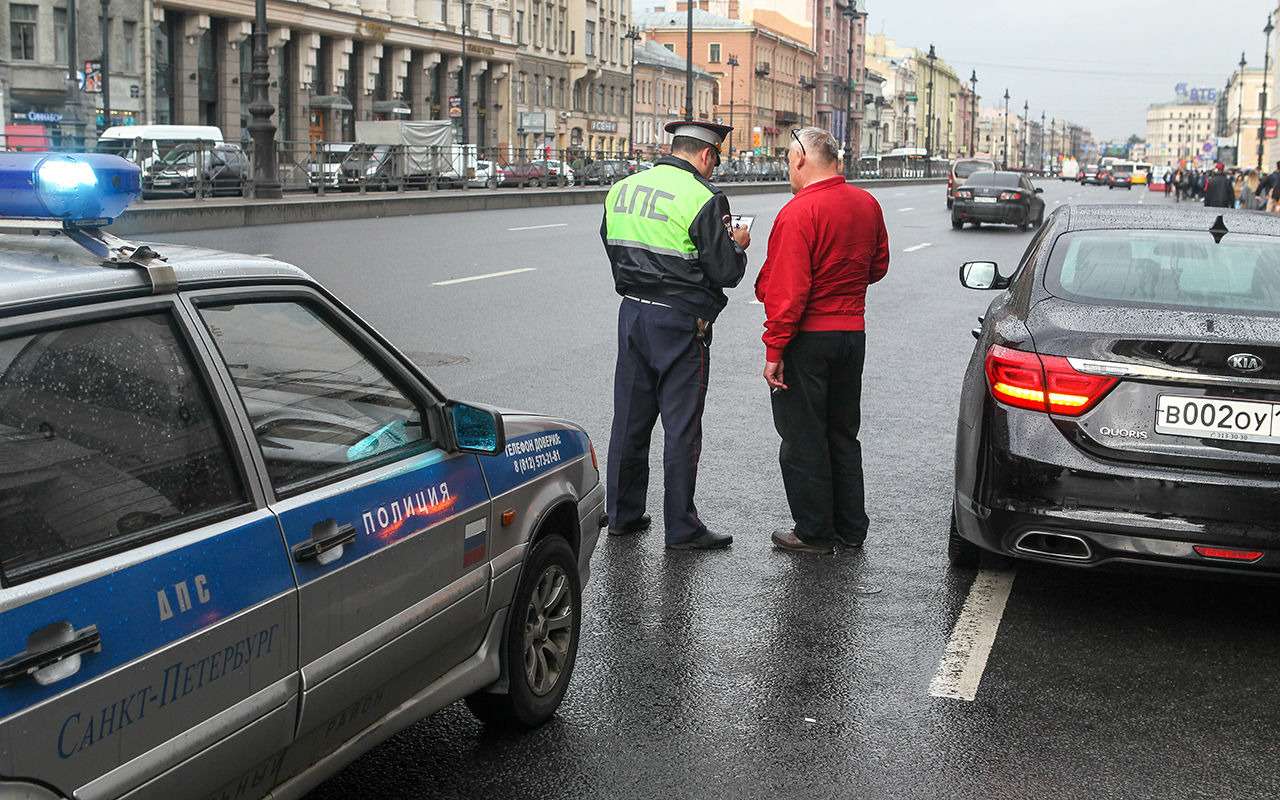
908 208
502 274
36 270
916 247
540 227
960 670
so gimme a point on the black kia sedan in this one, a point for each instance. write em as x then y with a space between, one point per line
1122 404
1006 198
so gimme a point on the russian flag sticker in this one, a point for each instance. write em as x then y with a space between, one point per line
475 544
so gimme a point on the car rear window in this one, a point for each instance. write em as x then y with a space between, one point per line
1120 169
1172 269
993 179
966 168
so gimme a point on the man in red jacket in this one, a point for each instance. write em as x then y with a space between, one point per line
827 246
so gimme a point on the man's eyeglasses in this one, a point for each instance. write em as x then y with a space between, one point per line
795 134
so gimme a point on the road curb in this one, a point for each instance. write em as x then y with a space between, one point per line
194 215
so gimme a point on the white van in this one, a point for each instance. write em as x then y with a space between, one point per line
156 140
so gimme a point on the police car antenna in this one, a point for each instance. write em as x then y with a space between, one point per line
1219 230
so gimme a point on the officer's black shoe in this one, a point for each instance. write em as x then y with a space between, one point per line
634 526
851 542
787 540
703 541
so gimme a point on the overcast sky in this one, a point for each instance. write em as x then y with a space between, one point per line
1096 62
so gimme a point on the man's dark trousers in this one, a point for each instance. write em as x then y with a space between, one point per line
662 370
817 417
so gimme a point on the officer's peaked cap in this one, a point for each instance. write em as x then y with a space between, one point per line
709 132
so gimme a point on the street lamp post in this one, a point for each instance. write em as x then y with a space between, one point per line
1006 129
105 26
464 77
1262 101
1240 109
263 131
928 134
72 123
850 13
688 64
1040 147
633 33
1026 133
973 119
733 68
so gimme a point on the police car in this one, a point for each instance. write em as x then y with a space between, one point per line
242 538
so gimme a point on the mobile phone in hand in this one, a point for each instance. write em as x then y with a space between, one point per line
741 221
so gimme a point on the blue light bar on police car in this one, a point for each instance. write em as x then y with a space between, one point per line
76 188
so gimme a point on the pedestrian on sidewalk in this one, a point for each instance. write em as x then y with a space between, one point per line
674 251
828 245
1218 191
1271 190
1168 183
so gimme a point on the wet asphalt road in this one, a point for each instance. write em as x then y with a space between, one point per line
754 673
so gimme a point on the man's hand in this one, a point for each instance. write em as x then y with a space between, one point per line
773 375
742 236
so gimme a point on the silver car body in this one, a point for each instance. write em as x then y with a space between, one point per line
227 667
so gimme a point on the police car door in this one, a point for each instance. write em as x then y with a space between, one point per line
147 608
387 530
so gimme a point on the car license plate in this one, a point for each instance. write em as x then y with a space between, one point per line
162 182
984 200
1210 418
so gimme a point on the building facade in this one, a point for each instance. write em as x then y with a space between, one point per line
1180 131
660 94
34 62
1240 117
571 90
772 86
332 62
832 43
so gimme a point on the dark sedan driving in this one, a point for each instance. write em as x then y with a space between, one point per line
1005 198
1122 404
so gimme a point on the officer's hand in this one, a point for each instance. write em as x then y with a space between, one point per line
742 235
773 375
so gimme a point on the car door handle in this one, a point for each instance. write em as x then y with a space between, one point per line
977 333
981 319
325 536
40 656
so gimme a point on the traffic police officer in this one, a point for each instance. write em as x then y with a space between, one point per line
673 249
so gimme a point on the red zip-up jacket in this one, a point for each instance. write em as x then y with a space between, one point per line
828 245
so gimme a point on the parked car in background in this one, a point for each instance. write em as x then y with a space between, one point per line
144 145
554 169
484 171
960 171
1120 176
189 169
602 173
325 165
1090 175
367 165
532 174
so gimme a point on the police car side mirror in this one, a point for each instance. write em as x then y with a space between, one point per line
477 429
982 275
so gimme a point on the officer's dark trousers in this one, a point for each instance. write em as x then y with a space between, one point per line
818 418
662 370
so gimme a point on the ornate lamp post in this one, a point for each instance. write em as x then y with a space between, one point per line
850 155
1240 109
266 182
1026 133
1040 146
1266 70
464 76
928 134
688 64
1006 129
72 123
733 67
105 27
973 120
633 33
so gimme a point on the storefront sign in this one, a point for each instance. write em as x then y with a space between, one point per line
1270 128
533 121
604 126
93 77
455 106
49 117
1195 94
481 49
374 30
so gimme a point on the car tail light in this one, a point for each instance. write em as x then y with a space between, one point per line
1011 195
595 463
1043 383
964 194
1227 554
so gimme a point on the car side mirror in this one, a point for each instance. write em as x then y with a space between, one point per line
1039 190
982 275
476 429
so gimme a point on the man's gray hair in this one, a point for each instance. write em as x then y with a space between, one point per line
819 144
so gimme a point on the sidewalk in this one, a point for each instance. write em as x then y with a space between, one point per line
164 216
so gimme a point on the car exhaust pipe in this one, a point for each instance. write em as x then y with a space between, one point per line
1054 545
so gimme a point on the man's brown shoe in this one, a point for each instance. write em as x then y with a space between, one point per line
787 540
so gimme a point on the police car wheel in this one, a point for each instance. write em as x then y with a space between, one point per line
541 642
961 552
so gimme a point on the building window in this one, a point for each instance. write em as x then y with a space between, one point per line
59 36
488 19
520 80
520 27
713 53
590 39
128 61
670 47
22 32
444 11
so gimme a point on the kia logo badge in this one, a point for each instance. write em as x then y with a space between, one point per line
1246 362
